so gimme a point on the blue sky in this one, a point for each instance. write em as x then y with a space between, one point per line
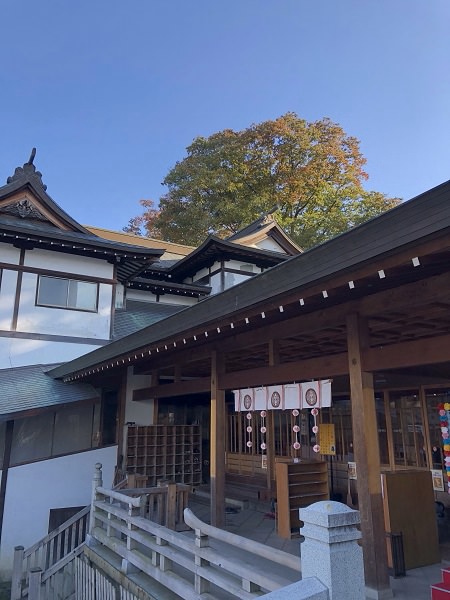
111 92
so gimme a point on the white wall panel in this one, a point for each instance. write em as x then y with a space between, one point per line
17 352
67 263
270 244
56 321
7 298
9 254
36 488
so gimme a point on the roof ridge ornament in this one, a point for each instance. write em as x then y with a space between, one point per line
28 173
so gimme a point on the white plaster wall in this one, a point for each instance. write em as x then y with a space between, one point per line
67 263
140 295
7 296
9 254
215 283
235 278
200 274
144 296
237 264
56 321
34 489
178 300
140 412
270 244
16 352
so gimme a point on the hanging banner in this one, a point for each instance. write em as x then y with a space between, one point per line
316 394
244 400
310 394
260 398
325 393
275 397
292 395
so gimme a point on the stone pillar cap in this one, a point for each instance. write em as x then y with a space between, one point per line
329 513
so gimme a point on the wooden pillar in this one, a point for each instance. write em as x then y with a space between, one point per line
217 445
273 361
367 457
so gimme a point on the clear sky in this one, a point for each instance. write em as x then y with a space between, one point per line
111 92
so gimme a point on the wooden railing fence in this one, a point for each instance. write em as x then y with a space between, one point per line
48 564
211 560
48 560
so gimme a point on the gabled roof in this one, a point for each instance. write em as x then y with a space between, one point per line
420 220
39 206
215 249
262 228
172 251
27 389
30 218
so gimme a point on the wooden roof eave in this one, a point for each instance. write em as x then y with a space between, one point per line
399 232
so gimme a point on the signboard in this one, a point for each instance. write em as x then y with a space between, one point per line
327 439
438 480
352 470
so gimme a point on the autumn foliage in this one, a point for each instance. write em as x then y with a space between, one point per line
311 173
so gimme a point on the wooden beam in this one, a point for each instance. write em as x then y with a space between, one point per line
312 368
367 457
182 388
424 351
217 445
418 293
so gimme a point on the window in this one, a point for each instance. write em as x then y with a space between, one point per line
407 429
74 428
67 293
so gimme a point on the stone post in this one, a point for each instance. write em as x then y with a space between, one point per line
330 551
97 481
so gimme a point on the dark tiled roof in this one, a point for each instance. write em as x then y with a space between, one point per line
141 314
213 249
29 388
249 229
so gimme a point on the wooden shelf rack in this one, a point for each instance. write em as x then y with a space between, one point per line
165 452
298 485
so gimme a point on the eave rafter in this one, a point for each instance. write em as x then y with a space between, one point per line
310 323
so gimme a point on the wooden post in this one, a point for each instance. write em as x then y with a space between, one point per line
202 585
367 457
97 481
274 360
16 578
133 511
217 448
34 585
171 506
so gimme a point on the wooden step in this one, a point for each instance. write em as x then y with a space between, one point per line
446 576
440 591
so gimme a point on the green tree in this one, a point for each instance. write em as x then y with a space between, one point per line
311 172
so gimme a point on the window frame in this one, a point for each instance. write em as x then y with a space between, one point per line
67 306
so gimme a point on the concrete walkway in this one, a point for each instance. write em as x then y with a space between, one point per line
258 523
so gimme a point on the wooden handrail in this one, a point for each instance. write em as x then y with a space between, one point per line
53 534
261 550
153 549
